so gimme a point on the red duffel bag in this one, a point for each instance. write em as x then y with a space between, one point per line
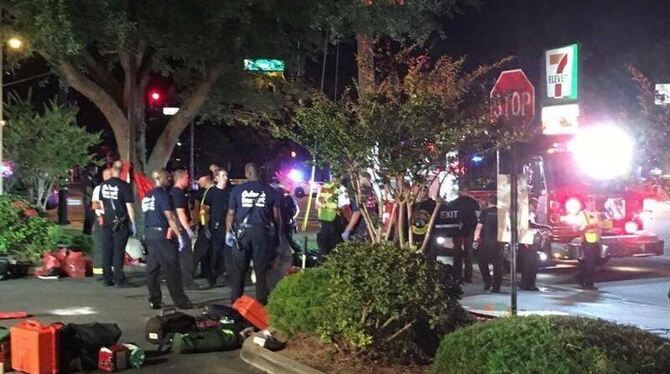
75 265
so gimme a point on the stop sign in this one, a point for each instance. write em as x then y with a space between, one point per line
513 99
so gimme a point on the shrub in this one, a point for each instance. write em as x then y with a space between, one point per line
389 303
552 345
27 236
297 303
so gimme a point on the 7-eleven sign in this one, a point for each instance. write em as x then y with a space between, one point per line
562 72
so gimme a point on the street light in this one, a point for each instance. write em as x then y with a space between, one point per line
12 43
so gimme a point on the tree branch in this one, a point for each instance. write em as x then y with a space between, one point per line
186 114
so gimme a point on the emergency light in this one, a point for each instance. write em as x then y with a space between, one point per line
603 152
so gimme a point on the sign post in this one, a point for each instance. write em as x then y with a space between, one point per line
513 107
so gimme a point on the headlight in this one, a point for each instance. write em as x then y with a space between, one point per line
543 256
441 240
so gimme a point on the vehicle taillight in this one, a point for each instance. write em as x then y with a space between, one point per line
573 205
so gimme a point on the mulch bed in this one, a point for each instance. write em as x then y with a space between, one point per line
311 351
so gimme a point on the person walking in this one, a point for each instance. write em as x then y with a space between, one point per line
490 250
591 233
180 203
117 226
252 226
165 238
467 213
215 203
528 253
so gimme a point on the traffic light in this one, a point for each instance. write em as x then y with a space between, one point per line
155 98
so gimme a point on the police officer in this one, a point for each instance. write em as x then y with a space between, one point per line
118 224
253 212
591 233
164 238
467 212
490 250
289 210
180 203
215 203
202 250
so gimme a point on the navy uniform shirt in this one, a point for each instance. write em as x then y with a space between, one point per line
242 199
114 194
217 201
467 212
180 200
154 206
449 220
489 220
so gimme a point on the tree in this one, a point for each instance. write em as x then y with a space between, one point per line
653 128
400 131
110 50
45 145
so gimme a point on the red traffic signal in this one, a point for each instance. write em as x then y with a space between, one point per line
155 97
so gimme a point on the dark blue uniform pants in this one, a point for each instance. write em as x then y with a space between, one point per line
463 253
587 268
113 253
256 245
163 258
491 253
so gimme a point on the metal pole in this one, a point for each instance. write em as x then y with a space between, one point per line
514 211
192 161
2 122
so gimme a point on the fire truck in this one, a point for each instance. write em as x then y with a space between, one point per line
563 172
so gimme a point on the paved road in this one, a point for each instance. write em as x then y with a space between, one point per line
84 301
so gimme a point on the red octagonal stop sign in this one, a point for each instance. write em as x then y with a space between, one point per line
513 99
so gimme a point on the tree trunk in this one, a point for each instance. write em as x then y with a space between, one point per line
365 61
431 223
401 223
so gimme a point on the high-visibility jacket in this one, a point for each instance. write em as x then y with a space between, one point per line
591 234
328 202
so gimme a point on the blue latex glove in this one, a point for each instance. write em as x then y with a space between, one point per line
182 243
230 239
345 235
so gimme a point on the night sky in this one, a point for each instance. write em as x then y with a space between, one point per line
612 34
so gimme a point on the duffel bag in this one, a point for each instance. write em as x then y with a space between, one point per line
210 340
159 329
80 344
218 312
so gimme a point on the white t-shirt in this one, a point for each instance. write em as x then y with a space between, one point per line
96 197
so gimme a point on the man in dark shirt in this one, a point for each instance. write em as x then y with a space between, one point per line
490 250
467 212
164 238
253 212
216 204
118 224
180 203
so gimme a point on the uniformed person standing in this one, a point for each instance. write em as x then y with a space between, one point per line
180 203
330 222
490 250
591 233
164 238
215 203
118 224
467 213
253 214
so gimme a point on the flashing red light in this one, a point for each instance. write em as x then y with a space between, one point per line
631 227
573 205
155 95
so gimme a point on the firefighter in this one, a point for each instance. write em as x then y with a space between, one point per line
591 233
165 239
490 250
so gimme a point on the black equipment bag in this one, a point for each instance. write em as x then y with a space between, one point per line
217 312
80 344
159 329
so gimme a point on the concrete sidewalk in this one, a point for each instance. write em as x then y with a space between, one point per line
619 302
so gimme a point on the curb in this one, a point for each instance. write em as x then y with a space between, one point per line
271 362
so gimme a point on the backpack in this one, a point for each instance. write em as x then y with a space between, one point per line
80 344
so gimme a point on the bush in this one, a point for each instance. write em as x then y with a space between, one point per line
389 303
297 303
552 345
26 235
